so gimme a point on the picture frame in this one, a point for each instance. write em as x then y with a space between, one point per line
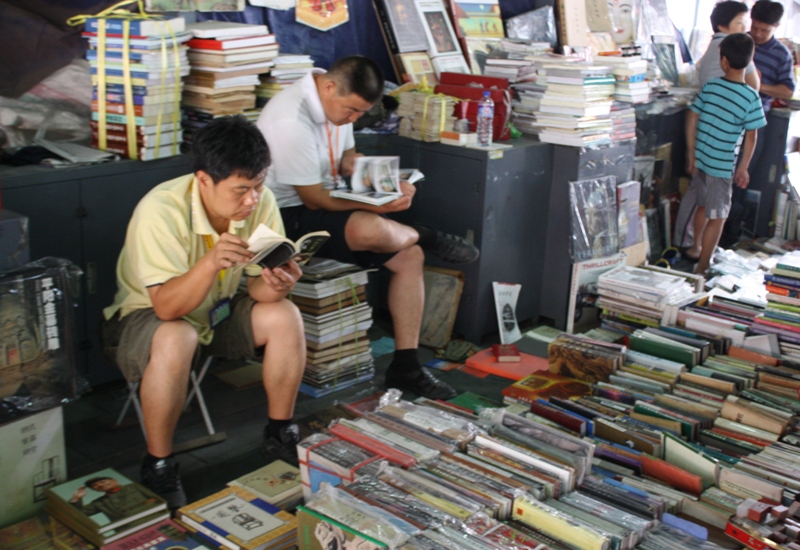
416 65
450 64
478 50
478 18
405 23
438 30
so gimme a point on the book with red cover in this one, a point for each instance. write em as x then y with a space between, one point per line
485 361
671 475
569 421
230 44
365 442
742 437
546 384
506 353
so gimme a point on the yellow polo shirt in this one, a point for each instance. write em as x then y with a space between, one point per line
166 237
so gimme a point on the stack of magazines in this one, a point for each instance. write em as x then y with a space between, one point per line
331 297
422 115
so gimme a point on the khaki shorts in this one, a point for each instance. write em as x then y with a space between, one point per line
127 341
714 193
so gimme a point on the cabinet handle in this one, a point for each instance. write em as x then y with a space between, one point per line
91 277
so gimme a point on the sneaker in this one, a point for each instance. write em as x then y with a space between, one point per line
283 447
451 248
163 479
421 382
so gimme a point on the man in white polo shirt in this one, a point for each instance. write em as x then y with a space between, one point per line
309 130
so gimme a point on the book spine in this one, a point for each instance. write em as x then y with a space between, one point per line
386 26
773 324
114 26
746 538
204 44
119 98
783 281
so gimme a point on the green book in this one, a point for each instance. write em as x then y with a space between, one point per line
664 350
474 402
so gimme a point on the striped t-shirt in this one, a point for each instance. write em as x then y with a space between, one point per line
775 63
725 108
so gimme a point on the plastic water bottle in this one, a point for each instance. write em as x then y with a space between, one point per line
485 119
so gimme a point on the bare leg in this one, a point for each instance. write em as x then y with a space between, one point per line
711 237
164 384
699 227
279 326
368 231
407 296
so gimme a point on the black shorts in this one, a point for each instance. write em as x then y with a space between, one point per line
299 220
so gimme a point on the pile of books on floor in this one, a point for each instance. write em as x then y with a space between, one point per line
645 296
105 506
424 116
107 509
434 475
226 61
288 70
576 105
331 297
156 84
782 314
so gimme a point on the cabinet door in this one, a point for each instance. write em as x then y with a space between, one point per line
109 203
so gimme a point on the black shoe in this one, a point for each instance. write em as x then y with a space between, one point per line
163 479
447 247
283 447
421 382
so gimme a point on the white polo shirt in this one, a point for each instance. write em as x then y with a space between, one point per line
297 132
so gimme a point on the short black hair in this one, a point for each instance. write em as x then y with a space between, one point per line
737 48
90 482
724 12
358 75
767 12
229 146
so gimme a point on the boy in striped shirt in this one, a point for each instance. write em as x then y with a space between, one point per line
721 111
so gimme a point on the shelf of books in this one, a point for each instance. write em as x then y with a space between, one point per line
137 84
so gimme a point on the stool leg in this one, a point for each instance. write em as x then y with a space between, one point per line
196 385
202 402
133 387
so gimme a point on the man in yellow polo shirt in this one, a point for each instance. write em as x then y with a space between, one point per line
178 283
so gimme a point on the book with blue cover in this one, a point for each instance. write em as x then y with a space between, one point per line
138 27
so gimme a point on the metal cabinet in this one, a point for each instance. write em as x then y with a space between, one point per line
81 214
499 198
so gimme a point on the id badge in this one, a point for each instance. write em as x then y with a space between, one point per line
220 312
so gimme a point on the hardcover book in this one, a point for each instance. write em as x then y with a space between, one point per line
165 535
235 515
543 384
274 483
401 20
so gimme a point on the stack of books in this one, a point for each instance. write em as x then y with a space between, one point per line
238 519
575 109
422 117
645 297
156 84
336 318
288 70
631 76
623 119
105 506
226 61
782 314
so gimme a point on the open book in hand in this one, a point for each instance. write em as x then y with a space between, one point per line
376 180
273 250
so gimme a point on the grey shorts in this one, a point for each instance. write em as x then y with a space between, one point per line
714 193
127 341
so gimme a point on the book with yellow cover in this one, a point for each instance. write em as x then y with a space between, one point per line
235 515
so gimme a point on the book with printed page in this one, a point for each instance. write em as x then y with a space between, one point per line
375 180
222 29
274 250
103 501
276 483
236 518
166 535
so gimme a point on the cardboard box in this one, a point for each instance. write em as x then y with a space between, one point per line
32 458
14 243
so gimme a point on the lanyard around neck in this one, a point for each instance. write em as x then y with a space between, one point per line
334 154
220 274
